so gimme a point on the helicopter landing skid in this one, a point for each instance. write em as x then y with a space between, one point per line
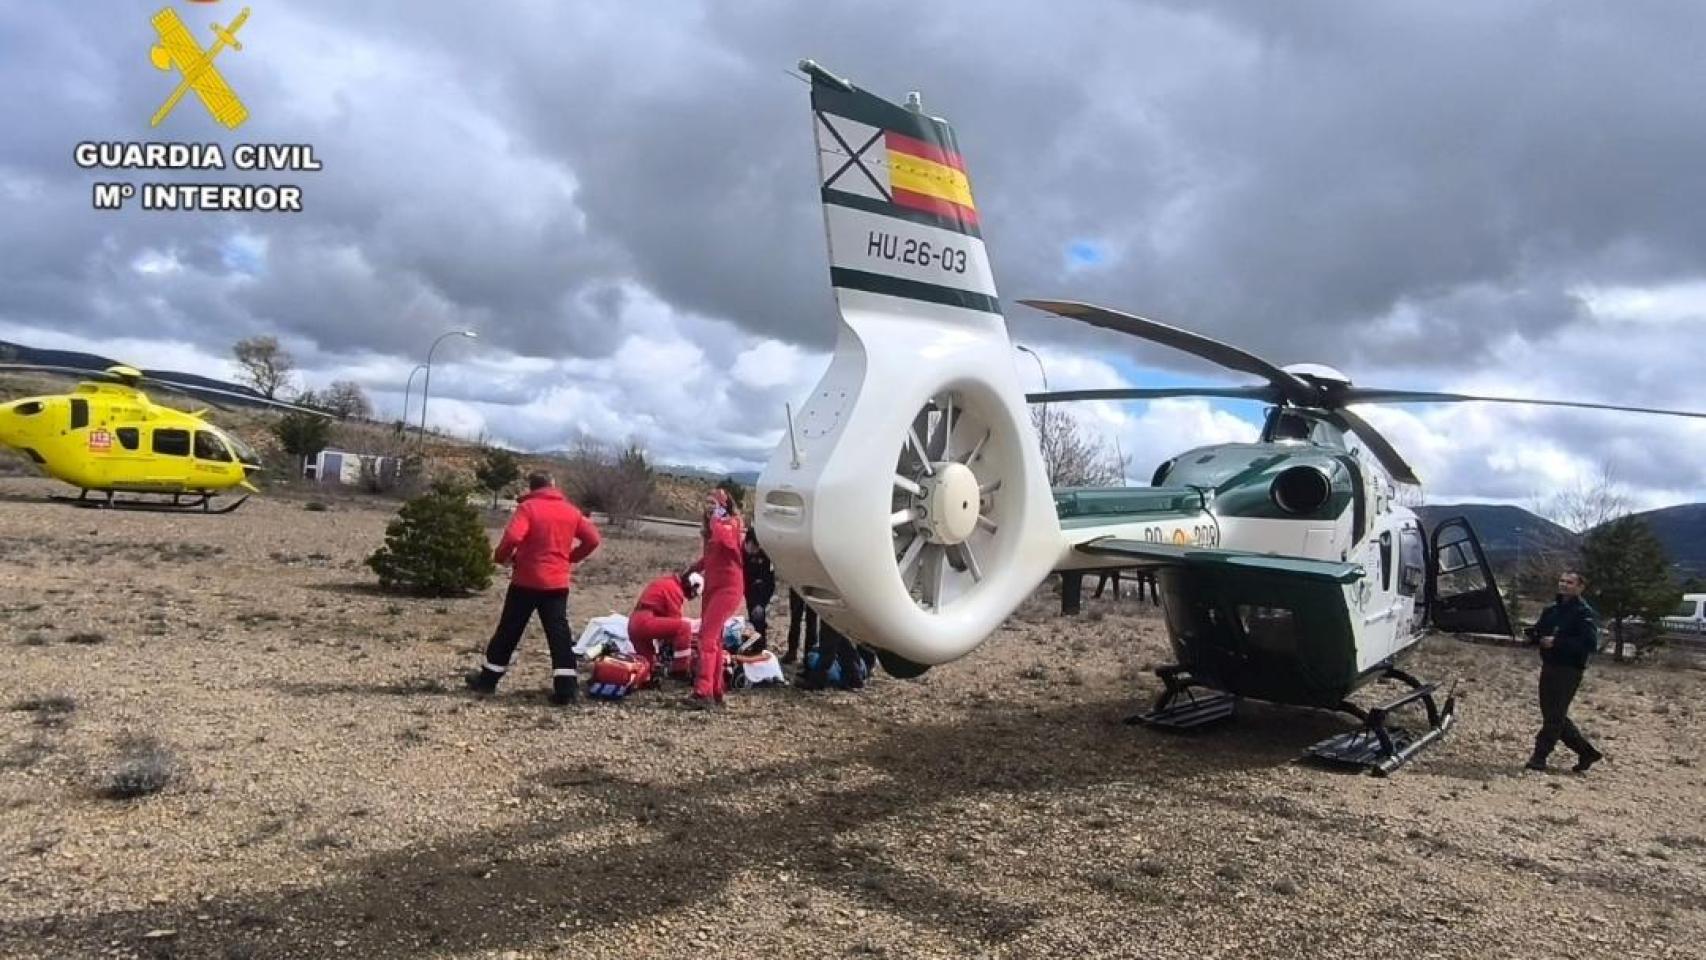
195 503
1381 748
1185 704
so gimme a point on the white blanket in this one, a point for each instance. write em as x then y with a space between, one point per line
612 629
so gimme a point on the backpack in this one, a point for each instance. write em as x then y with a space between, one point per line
816 657
616 675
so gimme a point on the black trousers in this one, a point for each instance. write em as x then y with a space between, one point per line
758 611
799 611
833 647
1558 686
521 603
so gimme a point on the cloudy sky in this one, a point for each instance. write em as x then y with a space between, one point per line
621 199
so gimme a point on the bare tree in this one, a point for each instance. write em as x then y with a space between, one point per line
1588 503
266 366
1072 459
345 399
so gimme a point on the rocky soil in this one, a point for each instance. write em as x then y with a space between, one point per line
218 740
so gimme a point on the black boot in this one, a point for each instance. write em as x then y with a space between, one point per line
1587 759
483 682
565 690
1542 749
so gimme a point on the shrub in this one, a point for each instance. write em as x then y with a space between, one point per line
497 470
436 546
145 766
621 485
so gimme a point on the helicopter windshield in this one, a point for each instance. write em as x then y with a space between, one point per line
245 453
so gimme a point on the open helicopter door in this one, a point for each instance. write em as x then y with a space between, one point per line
1462 595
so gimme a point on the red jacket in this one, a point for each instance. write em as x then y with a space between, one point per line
663 598
724 563
542 539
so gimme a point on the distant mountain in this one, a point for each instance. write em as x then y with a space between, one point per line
743 477
1505 532
1682 530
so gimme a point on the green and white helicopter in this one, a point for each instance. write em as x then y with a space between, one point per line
910 505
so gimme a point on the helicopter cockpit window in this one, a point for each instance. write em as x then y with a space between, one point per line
172 443
209 447
244 452
28 409
79 413
128 438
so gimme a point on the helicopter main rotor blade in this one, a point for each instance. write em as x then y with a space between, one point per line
57 368
1378 445
1378 395
1252 392
253 399
1292 387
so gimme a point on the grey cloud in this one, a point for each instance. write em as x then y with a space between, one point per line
1377 186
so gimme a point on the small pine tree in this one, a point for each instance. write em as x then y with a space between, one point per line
436 546
1628 574
303 435
497 470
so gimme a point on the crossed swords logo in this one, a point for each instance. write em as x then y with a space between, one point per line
178 49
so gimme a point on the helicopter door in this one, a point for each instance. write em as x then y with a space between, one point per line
1462 595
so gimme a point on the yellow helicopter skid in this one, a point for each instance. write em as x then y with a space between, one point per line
180 503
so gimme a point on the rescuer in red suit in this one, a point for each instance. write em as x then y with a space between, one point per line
725 593
544 540
657 617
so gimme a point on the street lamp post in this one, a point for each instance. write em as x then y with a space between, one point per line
1034 356
426 382
409 388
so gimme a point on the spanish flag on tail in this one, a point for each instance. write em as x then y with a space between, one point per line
897 202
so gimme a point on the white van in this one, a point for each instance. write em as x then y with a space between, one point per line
1690 615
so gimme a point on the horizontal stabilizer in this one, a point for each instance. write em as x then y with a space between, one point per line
1142 553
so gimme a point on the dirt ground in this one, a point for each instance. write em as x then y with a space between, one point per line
334 793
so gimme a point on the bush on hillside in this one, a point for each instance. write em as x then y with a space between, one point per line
620 485
437 546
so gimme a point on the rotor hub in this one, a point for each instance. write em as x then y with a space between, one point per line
950 503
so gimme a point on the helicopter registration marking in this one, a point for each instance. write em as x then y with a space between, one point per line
1200 535
100 441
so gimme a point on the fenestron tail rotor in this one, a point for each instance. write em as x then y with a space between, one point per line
944 514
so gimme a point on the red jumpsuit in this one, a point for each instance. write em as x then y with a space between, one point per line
725 597
657 617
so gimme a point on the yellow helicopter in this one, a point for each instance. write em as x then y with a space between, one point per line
107 437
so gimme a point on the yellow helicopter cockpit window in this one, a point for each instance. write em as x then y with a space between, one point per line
208 446
28 408
245 453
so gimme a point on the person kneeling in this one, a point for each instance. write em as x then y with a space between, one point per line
657 618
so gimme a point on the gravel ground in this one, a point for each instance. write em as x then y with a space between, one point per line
329 791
